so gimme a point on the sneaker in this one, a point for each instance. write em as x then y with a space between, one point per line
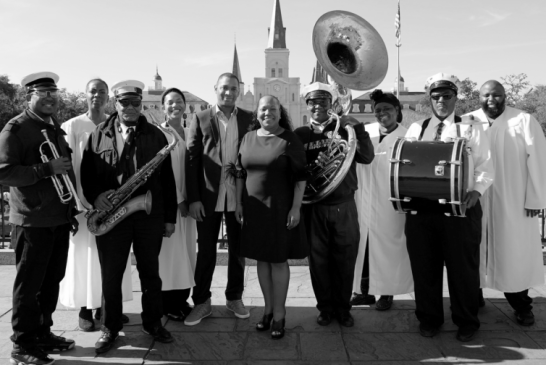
238 308
159 333
51 342
362 299
29 356
105 342
199 312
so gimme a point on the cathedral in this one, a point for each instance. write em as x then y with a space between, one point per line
277 80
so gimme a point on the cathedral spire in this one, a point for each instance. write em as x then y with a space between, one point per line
236 68
319 75
277 33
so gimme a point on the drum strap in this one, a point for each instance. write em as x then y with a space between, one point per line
427 121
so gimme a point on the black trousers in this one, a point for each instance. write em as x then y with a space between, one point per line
175 300
207 240
520 301
40 256
435 239
146 234
333 234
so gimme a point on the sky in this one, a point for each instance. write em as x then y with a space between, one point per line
192 42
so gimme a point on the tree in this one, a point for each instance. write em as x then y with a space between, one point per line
515 86
534 103
468 99
10 104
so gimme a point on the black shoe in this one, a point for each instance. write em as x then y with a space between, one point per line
324 318
345 319
525 318
427 330
98 313
105 342
29 356
277 329
362 299
465 334
85 320
265 323
159 333
51 342
384 303
482 299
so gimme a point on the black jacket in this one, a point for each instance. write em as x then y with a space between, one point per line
99 166
34 202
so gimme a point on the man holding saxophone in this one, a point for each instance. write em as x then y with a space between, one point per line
41 222
116 150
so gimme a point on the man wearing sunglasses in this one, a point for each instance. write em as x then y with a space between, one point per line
117 148
41 222
434 238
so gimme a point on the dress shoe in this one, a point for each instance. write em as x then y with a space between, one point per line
345 319
465 334
277 329
105 342
384 303
427 330
159 333
324 318
265 323
85 320
525 318
362 299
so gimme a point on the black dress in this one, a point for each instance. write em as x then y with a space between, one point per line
273 165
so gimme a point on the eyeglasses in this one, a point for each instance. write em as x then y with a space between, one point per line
319 102
443 96
125 103
47 93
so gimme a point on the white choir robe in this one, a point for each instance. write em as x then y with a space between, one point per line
178 252
390 270
82 284
511 251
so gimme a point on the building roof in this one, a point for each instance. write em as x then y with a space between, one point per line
277 33
155 95
405 96
236 67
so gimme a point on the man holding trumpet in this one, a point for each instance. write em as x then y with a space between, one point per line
42 222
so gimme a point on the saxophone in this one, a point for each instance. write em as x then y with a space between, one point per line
100 222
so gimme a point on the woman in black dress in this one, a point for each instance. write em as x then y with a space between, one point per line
270 185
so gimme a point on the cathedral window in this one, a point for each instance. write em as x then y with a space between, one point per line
272 72
280 72
276 35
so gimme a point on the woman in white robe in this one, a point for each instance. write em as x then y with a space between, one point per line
178 252
380 225
81 286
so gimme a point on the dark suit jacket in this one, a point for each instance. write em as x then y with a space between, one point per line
204 164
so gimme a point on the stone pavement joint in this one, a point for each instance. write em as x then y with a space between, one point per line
385 338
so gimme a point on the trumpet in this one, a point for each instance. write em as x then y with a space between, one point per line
63 185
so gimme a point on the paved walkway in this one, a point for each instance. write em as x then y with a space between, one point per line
390 337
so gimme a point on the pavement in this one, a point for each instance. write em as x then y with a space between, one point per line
385 338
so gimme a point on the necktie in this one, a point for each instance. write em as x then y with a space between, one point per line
439 130
127 156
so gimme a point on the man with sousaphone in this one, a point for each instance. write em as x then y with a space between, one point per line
445 230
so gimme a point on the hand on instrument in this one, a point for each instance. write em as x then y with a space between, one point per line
102 202
532 212
184 210
169 230
197 211
471 198
60 165
239 213
74 224
293 218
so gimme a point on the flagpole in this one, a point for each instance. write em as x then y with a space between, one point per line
398 44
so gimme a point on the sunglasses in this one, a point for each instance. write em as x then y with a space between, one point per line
126 102
320 102
444 96
47 93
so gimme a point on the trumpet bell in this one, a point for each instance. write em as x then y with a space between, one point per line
350 50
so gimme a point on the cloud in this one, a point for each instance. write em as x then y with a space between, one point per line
488 19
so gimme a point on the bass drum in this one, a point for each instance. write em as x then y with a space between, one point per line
430 177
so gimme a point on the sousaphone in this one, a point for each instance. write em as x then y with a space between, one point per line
354 56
